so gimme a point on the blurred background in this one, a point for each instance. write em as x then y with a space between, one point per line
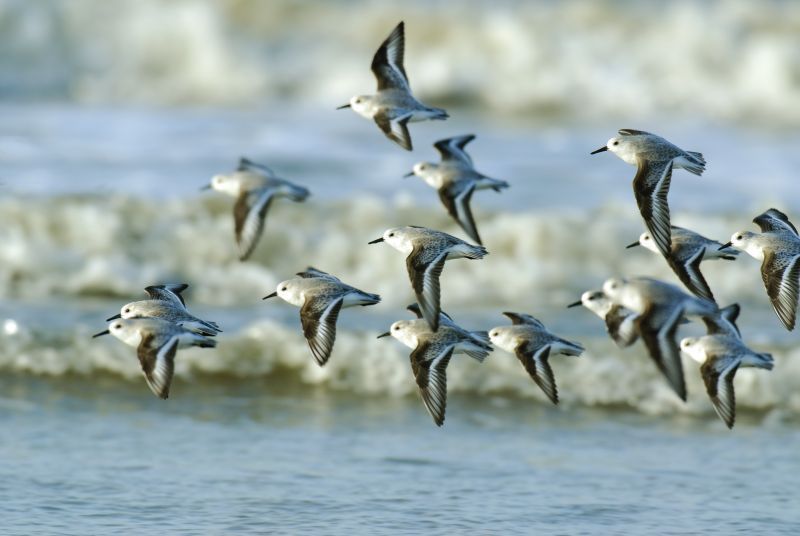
114 114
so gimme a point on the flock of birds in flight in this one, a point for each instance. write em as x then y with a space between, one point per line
632 308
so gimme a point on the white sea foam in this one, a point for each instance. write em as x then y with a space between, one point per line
110 248
603 58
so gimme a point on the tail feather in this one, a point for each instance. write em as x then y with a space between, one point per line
768 361
370 299
203 342
695 163
476 252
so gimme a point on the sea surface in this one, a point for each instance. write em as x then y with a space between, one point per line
116 114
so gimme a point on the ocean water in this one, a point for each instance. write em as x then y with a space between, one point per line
104 149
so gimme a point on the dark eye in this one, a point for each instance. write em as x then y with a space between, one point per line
127 310
396 328
738 237
117 326
283 289
615 143
358 101
391 234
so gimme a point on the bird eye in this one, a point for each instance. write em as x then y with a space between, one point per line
396 328
647 238
422 166
117 326
738 237
358 101
391 234
284 289
615 143
127 310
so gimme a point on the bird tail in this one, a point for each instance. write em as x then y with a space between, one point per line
203 342
369 299
694 163
475 252
767 361
439 114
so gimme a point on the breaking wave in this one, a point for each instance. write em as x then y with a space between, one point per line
735 59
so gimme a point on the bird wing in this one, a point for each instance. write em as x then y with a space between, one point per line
456 198
657 327
429 364
520 318
248 165
424 277
621 326
633 132
249 213
781 277
170 292
688 271
536 362
157 358
318 316
452 149
651 186
387 64
719 384
395 129
774 220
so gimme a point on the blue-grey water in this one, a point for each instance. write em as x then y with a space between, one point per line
115 114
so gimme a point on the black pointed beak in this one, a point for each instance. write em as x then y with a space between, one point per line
110 318
409 174
725 245
106 332
270 295
383 335
376 241
600 150
575 304
343 106
629 246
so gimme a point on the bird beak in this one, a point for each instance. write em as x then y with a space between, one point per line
725 245
600 150
270 295
629 246
106 332
206 187
575 304
343 106
409 174
383 335
376 240
110 318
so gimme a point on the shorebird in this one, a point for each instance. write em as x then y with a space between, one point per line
456 179
688 250
619 320
655 159
533 344
427 250
156 341
778 247
167 303
721 356
475 338
393 106
431 353
320 297
659 307
254 186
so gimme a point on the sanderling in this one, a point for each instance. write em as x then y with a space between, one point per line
655 158
688 250
166 302
254 186
533 344
157 341
778 247
427 252
720 357
320 297
619 320
475 338
659 308
431 352
393 106
456 179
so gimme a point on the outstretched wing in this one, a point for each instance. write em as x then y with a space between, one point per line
781 276
249 214
536 362
429 365
774 220
719 385
688 271
657 328
395 129
387 64
456 198
157 358
425 282
651 186
452 149
171 292
248 165
318 315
